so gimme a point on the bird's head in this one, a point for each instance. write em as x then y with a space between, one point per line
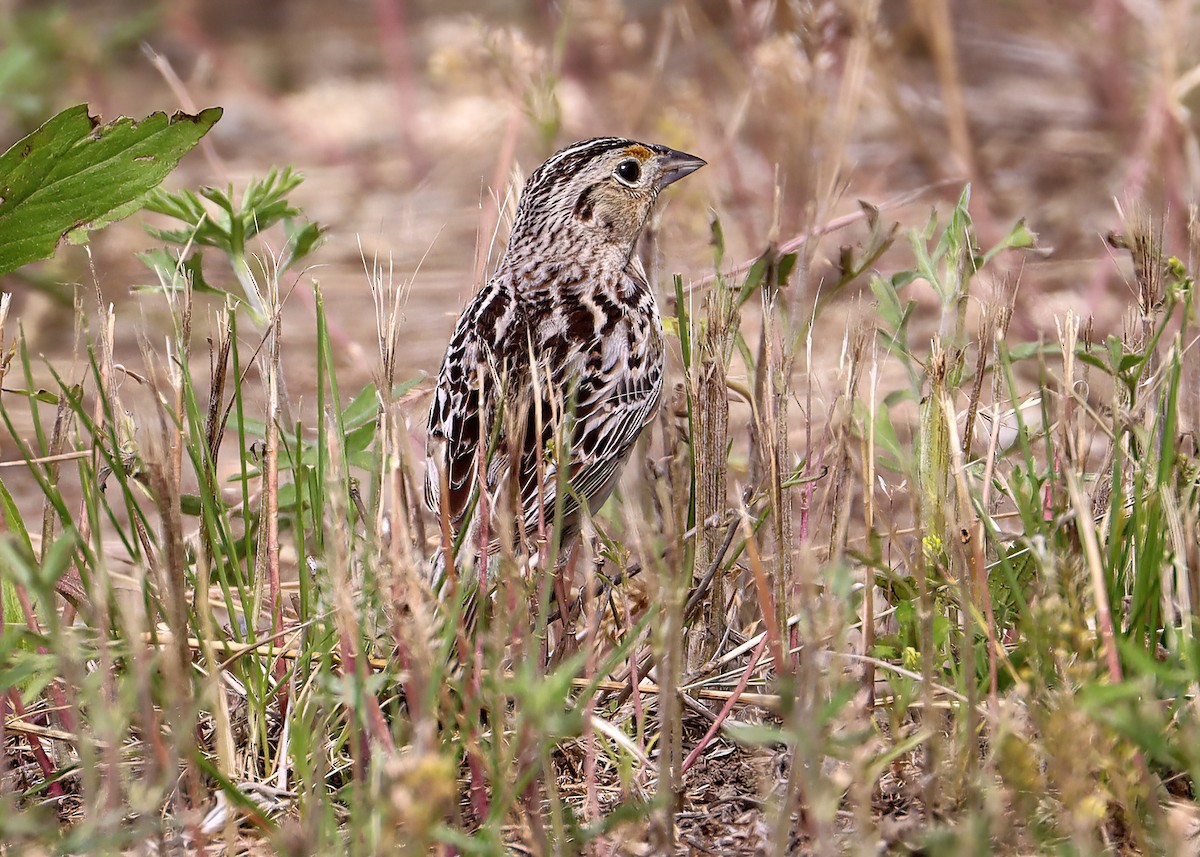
595 196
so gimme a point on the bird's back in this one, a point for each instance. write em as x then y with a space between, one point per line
565 363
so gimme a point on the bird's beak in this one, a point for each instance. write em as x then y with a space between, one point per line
675 165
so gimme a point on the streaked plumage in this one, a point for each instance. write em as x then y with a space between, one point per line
569 300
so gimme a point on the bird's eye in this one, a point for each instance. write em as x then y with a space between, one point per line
628 172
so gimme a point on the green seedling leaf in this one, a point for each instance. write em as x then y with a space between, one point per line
962 209
226 224
192 505
1025 350
753 279
753 735
302 238
1093 361
1021 237
897 396
1131 361
890 451
1115 350
364 408
787 264
213 217
44 396
359 440
288 495
890 310
74 175
268 196
171 273
930 229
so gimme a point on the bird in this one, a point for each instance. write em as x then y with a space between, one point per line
555 366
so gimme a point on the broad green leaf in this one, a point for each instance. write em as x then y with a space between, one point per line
74 175
364 408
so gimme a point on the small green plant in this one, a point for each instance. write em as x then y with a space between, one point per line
228 226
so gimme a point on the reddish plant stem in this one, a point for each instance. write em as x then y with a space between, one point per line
35 746
727 707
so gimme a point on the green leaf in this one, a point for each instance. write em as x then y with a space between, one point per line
889 303
902 395
16 555
889 451
753 279
364 408
787 264
756 735
171 273
73 175
302 239
1020 237
1131 361
43 396
185 206
1115 349
28 670
1025 350
357 443
213 217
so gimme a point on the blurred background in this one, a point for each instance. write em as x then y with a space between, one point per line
412 119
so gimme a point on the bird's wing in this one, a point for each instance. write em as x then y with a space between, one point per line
612 405
467 397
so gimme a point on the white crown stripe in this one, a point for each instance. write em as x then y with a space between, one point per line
599 143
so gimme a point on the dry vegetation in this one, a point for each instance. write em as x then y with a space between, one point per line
909 563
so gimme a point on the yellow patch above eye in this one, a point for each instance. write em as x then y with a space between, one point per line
640 152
